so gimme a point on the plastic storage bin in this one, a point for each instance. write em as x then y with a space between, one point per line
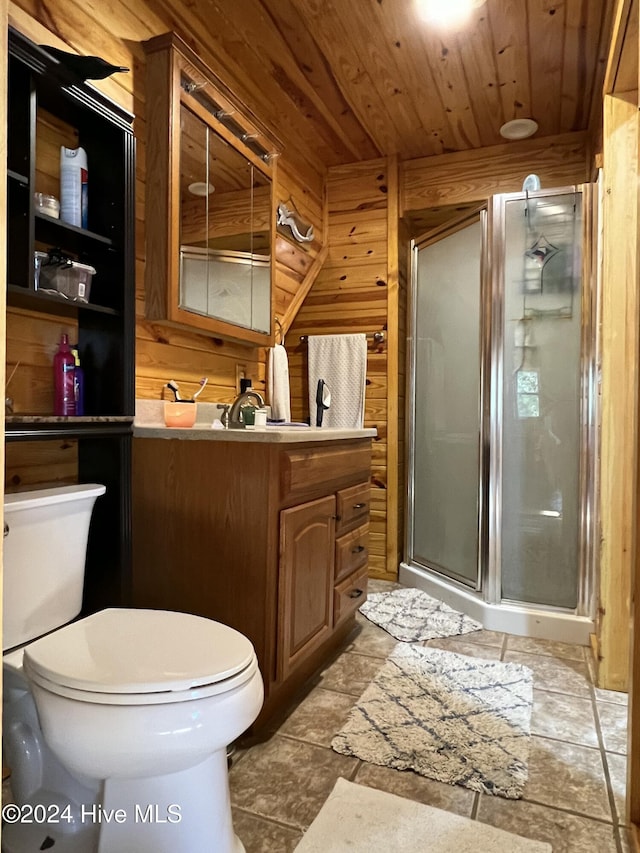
72 281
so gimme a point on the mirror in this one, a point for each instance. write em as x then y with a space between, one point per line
225 227
209 207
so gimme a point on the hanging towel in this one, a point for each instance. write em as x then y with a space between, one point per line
278 381
341 361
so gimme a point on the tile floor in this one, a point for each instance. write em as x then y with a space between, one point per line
575 795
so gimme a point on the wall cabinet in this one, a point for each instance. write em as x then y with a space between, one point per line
48 106
210 210
269 538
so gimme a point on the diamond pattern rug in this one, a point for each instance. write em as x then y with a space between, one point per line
411 615
450 717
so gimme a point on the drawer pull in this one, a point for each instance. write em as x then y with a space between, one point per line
355 593
359 506
358 549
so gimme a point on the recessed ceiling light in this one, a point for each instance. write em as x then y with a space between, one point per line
447 12
200 188
519 128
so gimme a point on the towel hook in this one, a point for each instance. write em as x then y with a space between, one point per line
280 329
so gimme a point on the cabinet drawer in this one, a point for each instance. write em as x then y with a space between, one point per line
349 595
308 472
352 552
352 507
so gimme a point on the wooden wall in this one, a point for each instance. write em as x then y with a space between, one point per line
351 295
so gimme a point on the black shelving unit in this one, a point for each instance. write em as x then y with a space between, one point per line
106 324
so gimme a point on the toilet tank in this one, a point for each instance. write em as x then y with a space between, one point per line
44 558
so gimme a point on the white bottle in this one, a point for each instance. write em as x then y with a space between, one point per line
74 186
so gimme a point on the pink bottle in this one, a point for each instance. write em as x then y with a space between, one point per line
64 365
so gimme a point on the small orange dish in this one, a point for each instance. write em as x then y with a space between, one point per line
179 414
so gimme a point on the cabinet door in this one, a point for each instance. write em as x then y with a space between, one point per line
307 537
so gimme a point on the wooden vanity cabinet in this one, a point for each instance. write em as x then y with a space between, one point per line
269 538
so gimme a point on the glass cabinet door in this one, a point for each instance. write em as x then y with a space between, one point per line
225 208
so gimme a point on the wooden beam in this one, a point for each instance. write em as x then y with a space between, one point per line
473 176
621 74
619 415
294 306
393 496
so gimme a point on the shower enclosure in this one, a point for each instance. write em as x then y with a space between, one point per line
502 414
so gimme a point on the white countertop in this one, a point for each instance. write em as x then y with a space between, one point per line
149 423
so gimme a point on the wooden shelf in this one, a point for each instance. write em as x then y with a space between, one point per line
32 427
22 297
65 229
16 176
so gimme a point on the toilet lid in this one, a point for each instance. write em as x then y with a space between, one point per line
139 651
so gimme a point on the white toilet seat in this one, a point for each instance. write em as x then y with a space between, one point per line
140 657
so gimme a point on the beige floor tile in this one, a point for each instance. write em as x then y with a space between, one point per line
564 717
567 776
618 774
565 832
611 696
286 780
404 783
350 673
558 675
262 836
613 724
485 638
460 645
318 717
625 840
372 640
375 585
532 646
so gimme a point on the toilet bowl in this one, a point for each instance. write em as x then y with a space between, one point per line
116 726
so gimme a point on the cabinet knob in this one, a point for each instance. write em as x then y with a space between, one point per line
355 593
359 506
358 549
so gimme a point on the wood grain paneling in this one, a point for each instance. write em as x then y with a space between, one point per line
472 177
351 295
620 349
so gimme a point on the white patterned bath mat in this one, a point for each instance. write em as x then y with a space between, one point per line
411 615
450 717
363 820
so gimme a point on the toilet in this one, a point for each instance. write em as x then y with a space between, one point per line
115 726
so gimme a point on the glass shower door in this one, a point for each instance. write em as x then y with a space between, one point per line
444 492
539 413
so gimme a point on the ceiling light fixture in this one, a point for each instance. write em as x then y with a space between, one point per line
519 128
201 188
447 13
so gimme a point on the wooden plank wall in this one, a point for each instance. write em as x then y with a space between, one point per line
115 31
351 295
619 388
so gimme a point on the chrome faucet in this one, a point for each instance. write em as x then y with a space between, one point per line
234 412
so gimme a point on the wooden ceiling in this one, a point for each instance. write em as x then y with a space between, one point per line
349 80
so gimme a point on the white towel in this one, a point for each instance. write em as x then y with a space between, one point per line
341 360
278 381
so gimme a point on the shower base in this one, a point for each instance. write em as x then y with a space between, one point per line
525 621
